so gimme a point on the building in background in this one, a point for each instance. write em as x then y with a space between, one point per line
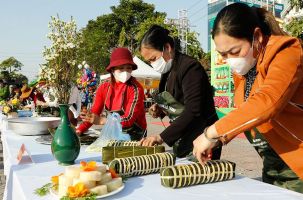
182 24
221 76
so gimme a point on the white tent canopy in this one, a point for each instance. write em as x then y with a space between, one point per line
143 71
105 76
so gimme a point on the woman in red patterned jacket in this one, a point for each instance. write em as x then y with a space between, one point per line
121 93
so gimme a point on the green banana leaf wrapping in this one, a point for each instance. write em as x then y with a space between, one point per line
113 143
195 173
110 153
140 165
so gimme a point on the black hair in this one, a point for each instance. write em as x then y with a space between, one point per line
156 37
239 20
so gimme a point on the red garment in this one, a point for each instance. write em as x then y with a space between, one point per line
37 96
127 98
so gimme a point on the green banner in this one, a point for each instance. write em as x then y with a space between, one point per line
222 81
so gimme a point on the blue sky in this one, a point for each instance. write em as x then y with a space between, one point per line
23 23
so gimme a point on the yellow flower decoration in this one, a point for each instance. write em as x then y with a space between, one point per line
15 101
55 179
6 109
90 166
79 190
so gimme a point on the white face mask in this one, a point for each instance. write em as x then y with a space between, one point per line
243 64
122 76
161 66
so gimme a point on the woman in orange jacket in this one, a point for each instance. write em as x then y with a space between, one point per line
267 70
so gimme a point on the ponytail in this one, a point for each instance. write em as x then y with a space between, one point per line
268 23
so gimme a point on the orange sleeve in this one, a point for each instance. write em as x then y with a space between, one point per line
284 74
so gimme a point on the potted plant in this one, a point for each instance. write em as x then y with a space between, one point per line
60 71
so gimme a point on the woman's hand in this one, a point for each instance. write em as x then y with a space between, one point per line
151 140
202 149
92 118
87 117
155 111
203 146
78 132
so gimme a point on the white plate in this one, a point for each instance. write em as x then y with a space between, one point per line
54 193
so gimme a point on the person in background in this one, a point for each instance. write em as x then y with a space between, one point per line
17 92
184 82
51 102
4 91
48 94
30 93
75 105
147 94
121 93
267 71
11 91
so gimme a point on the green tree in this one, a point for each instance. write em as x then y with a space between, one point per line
11 65
205 60
296 3
193 47
144 26
295 27
4 74
99 37
118 28
131 13
18 78
125 26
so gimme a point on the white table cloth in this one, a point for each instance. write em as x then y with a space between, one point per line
23 179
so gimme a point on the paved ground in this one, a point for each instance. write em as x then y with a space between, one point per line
248 163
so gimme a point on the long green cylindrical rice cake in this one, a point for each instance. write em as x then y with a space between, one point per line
111 152
140 165
120 143
195 173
